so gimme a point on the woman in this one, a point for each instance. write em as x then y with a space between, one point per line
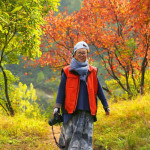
77 98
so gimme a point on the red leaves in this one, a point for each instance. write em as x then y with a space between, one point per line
112 67
108 25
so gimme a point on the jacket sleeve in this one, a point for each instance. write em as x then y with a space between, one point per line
101 95
61 91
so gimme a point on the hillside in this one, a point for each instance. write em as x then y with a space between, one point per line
127 128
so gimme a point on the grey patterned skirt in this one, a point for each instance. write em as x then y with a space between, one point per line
78 132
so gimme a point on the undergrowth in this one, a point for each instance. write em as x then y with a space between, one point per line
20 132
126 128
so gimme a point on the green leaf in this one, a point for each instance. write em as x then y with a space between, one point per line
3 20
5 14
16 9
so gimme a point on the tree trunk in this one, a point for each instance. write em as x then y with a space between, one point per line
143 69
8 104
142 79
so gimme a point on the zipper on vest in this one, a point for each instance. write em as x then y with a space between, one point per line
77 94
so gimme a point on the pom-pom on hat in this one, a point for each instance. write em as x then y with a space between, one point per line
80 45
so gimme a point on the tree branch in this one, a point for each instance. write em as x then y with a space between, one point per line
4 108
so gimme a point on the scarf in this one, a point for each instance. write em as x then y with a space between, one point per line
80 67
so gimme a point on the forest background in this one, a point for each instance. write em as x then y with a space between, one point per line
34 48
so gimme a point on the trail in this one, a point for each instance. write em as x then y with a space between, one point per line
51 140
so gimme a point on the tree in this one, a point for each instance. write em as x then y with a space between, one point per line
61 34
121 36
118 30
20 34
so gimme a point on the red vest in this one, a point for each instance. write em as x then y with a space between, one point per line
73 87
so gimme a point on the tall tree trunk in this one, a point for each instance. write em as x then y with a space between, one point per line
8 103
143 69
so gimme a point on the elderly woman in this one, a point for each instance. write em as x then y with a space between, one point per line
77 98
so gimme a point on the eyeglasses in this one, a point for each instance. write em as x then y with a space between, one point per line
79 53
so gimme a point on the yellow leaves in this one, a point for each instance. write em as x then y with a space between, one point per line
122 11
16 9
25 98
0 28
106 45
52 79
22 127
35 1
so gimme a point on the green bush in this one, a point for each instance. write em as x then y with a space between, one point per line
118 93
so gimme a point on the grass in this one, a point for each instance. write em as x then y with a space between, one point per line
20 133
127 128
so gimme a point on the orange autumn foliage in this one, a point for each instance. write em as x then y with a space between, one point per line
117 30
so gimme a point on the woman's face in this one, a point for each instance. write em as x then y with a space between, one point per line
81 55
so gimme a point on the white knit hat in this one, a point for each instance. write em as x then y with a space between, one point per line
80 45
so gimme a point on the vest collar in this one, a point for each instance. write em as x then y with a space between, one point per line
90 68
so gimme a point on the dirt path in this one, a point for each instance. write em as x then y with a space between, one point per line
51 138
